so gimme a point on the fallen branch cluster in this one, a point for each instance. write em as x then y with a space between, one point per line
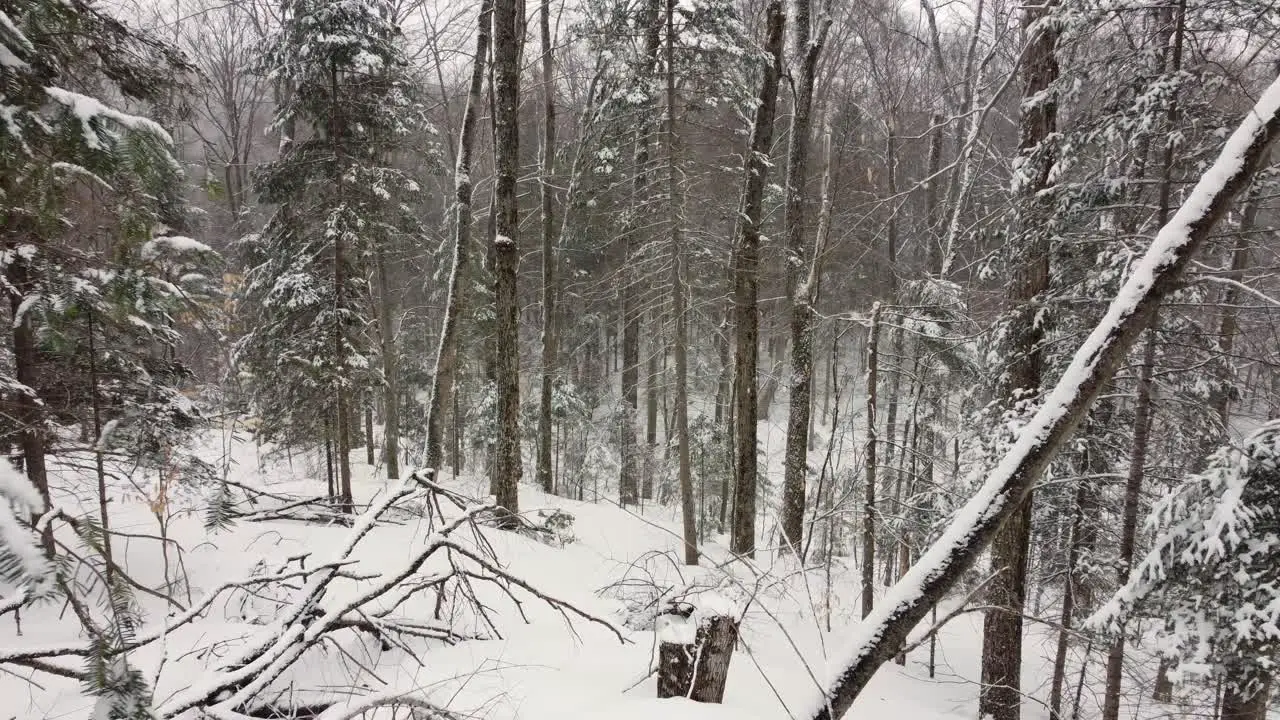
426 597
241 503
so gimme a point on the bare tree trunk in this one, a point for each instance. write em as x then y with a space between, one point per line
1171 43
1001 694
724 387
370 457
1068 596
1253 707
869 469
343 450
796 464
679 302
103 516
932 216
1129 519
893 369
746 278
545 474
390 369
651 407
505 482
444 378
328 460
628 482
1152 278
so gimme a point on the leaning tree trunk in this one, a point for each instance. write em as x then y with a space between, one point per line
545 476
746 279
796 464
504 485
443 378
1001 693
1157 274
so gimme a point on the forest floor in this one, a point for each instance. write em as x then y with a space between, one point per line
541 666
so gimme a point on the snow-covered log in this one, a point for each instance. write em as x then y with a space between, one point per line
1153 277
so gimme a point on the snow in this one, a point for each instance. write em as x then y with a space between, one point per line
34 572
10 32
24 307
17 488
541 668
87 110
175 244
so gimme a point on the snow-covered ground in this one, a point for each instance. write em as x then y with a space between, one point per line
538 664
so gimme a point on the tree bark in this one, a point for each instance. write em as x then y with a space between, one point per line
370 456
746 279
1001 694
1068 596
679 302
651 406
699 670
1129 518
104 517
443 380
28 410
505 483
391 388
1172 37
341 389
869 468
545 474
628 482
1152 278
796 464
1237 707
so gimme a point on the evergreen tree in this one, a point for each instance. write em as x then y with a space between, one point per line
87 295
1213 572
307 298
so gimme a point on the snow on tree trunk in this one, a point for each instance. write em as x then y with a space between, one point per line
1001 693
746 280
443 378
505 482
803 296
869 469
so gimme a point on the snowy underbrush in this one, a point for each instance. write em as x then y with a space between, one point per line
257 599
248 600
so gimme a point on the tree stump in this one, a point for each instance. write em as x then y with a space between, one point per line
1236 706
694 654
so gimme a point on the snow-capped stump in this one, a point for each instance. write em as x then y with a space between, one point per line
695 644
